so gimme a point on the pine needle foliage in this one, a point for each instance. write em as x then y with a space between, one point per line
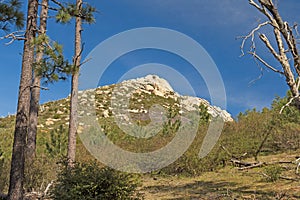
69 11
11 15
53 67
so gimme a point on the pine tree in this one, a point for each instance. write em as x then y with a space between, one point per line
74 89
86 14
81 13
35 90
22 117
49 66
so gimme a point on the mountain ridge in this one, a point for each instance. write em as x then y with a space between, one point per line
147 86
145 92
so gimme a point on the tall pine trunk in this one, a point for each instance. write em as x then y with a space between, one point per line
74 89
22 118
35 90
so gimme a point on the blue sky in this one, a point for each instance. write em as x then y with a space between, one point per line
214 24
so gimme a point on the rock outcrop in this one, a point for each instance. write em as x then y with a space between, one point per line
134 96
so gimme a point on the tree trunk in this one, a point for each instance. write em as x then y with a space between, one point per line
35 90
22 118
74 89
296 103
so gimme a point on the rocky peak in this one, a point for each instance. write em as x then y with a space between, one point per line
150 83
141 90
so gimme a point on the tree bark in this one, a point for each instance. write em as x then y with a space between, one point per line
35 90
22 118
74 89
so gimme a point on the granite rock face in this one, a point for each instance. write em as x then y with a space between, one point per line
117 99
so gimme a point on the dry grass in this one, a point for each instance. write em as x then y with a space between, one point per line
228 183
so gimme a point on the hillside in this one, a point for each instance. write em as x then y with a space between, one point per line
227 184
137 97
138 101
262 135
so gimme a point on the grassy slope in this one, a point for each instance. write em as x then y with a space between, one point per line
227 183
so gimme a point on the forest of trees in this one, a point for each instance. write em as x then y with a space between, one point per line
43 60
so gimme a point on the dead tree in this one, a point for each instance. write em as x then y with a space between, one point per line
284 49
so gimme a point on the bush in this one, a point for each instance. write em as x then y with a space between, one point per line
89 182
38 174
57 146
273 173
4 172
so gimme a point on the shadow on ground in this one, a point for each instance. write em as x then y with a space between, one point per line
215 191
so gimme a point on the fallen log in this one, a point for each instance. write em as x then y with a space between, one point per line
240 163
253 165
288 178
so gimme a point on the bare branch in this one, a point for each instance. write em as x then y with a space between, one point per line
262 9
49 7
291 100
43 88
253 3
266 3
295 27
298 165
252 36
86 61
288 178
58 3
284 29
77 57
265 63
47 188
260 75
293 46
231 155
264 38
254 165
14 36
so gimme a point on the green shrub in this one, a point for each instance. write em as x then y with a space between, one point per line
57 146
189 164
272 173
4 171
56 116
90 182
38 174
